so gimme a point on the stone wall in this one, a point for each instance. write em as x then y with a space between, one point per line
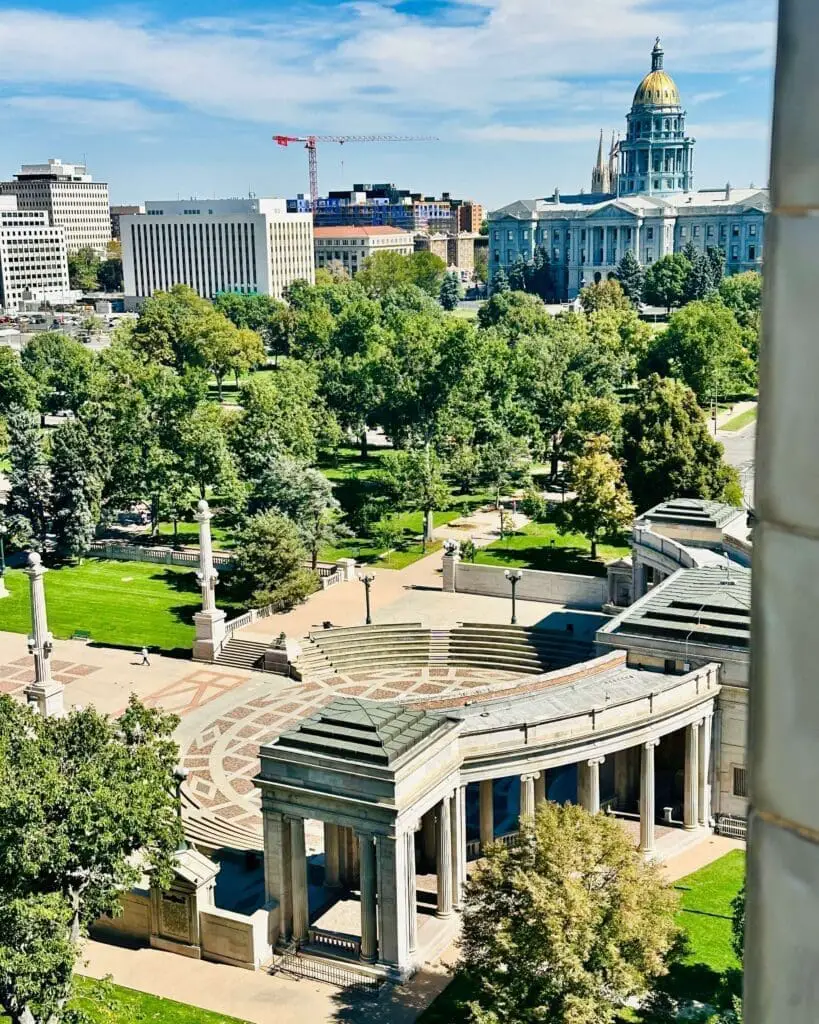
133 923
237 939
564 588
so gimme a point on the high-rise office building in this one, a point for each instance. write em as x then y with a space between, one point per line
216 245
33 260
70 196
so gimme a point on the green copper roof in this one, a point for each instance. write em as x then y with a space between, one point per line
693 511
361 730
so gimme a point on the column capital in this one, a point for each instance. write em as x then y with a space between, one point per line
651 743
527 776
595 761
203 513
34 565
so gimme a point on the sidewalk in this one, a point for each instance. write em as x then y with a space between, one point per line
725 415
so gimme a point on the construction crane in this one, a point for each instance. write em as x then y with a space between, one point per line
311 145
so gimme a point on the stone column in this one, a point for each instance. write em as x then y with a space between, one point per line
589 779
691 783
332 868
412 898
44 691
527 795
298 865
541 787
393 907
458 845
443 837
452 556
622 777
487 813
647 812
369 923
704 772
353 860
210 622
278 877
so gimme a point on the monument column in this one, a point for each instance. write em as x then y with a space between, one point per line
487 814
392 903
647 796
443 837
298 865
369 919
332 871
459 845
527 795
691 783
589 778
412 898
278 876
210 622
704 773
44 691
541 788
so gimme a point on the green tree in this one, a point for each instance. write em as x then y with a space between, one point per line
604 295
665 281
503 461
667 449
17 387
63 369
515 314
500 282
519 273
270 562
630 275
415 479
716 258
110 274
700 281
602 506
481 269
383 271
77 488
738 922
202 447
703 347
450 294
29 500
590 417
427 271
173 328
83 270
86 806
540 279
742 294
565 926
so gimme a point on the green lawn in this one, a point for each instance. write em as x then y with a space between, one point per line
738 422
541 546
106 1003
126 604
705 915
188 534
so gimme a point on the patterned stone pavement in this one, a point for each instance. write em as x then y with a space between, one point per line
16 674
223 757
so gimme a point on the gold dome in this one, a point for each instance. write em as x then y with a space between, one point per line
657 89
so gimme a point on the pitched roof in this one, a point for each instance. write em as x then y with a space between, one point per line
694 512
361 730
360 231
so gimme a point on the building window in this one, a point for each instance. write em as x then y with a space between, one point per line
682 232
650 233
752 229
740 781
710 231
734 252
696 231
509 236
751 252
735 230
497 236
656 183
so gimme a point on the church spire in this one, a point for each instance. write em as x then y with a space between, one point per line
601 181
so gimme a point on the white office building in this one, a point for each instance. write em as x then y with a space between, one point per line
33 260
216 245
70 196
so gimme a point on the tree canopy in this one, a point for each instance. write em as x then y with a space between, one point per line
665 281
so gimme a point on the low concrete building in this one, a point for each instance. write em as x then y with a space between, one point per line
348 247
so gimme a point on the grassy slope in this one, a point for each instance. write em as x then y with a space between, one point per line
111 1004
738 422
124 603
541 546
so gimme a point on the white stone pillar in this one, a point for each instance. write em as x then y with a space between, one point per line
210 622
369 920
443 837
277 872
647 813
332 872
298 865
393 908
541 788
458 845
527 795
691 783
44 691
412 898
487 813
450 561
704 773
589 777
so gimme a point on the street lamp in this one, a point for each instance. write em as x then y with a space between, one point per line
367 581
180 773
514 576
3 531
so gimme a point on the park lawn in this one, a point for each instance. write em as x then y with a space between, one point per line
738 422
125 604
188 534
542 546
705 915
367 553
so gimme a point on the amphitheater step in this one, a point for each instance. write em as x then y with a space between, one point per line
247 654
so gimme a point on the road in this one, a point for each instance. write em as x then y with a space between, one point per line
739 451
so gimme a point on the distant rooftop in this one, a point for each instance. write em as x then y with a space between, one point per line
376 230
693 512
586 204
360 730
708 605
55 169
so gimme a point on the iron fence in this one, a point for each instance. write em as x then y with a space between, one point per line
731 826
289 961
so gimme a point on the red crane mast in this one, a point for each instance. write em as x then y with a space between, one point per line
311 145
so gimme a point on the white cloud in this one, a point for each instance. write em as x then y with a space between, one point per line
706 97
108 115
524 133
373 66
732 130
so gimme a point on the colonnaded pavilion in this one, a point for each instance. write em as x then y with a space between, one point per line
343 778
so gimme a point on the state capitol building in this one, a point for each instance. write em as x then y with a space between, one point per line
642 198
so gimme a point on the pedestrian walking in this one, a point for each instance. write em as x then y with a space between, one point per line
145 659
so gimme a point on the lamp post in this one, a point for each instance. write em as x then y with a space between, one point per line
3 531
367 581
514 576
180 773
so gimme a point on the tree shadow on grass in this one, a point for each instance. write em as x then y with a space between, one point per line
548 559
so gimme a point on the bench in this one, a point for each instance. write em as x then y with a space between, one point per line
81 634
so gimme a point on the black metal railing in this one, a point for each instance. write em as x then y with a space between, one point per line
288 961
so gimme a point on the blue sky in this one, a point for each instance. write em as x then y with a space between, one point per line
181 98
